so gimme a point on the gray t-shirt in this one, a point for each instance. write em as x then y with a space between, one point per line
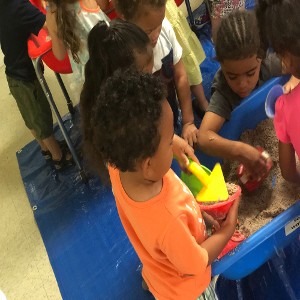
224 100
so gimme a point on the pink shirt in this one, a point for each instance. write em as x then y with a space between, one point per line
287 119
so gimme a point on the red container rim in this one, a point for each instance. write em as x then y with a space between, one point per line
222 203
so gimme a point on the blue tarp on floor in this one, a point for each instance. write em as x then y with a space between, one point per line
86 244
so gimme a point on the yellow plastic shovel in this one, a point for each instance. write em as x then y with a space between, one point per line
214 186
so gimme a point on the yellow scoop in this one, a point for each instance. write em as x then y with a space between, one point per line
214 186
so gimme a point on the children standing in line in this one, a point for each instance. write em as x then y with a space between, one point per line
18 19
280 27
112 46
159 213
69 23
150 16
238 49
192 52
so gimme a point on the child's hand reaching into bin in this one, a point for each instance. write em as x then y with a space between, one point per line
183 151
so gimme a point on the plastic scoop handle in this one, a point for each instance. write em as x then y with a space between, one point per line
199 172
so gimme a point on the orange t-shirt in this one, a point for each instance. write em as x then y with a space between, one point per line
166 231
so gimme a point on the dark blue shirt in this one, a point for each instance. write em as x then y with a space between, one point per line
18 19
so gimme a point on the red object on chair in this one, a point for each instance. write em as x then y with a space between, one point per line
41 45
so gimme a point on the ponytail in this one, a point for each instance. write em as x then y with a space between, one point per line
111 46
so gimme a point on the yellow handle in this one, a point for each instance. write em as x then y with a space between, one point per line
198 171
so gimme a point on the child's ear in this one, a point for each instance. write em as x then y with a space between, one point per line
146 167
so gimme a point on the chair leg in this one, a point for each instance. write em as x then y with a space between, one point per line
66 94
37 66
191 16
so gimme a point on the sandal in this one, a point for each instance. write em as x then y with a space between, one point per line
63 163
47 155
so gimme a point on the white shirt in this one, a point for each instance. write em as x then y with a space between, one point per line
166 42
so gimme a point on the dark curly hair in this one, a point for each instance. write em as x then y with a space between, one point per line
238 37
279 22
130 9
125 119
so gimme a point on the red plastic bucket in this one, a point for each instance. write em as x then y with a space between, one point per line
218 210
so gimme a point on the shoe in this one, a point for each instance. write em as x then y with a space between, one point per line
47 155
63 163
235 240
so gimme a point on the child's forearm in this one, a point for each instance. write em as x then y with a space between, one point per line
213 144
183 93
287 161
216 243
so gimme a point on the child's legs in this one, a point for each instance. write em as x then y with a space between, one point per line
36 113
215 23
209 293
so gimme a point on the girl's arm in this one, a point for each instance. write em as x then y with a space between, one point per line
189 130
213 144
58 47
287 162
183 151
103 4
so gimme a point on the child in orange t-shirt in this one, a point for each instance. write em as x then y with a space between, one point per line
133 134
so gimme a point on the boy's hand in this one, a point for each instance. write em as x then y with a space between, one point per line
189 133
232 216
183 151
209 220
254 162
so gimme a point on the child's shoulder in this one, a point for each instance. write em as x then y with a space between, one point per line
178 197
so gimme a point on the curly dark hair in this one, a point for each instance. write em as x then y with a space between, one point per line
238 36
130 9
279 22
125 119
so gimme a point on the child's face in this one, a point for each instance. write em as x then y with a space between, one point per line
162 159
291 64
144 61
150 20
242 75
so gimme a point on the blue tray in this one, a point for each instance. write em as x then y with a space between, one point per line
260 246
278 279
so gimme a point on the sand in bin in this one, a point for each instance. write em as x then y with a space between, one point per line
274 195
